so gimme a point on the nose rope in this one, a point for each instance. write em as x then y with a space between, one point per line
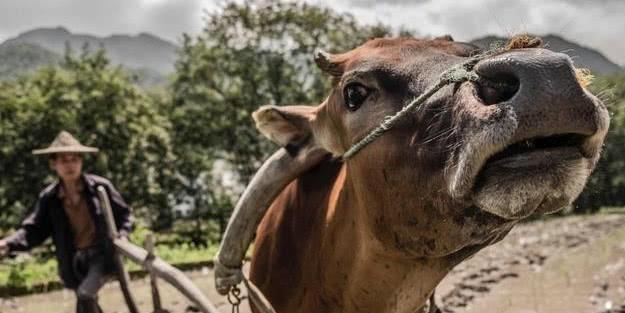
457 74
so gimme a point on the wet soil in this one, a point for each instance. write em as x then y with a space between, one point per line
573 264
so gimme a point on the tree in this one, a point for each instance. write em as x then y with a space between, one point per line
248 55
606 185
103 108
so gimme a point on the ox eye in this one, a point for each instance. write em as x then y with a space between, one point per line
354 95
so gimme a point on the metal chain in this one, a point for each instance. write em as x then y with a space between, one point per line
234 298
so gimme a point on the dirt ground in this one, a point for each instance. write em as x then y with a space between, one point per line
573 264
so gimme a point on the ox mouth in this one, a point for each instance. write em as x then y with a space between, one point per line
533 151
531 158
534 175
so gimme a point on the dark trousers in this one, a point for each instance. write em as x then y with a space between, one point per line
89 267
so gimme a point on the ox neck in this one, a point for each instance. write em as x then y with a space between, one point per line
369 277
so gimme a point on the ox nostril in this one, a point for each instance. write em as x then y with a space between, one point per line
497 89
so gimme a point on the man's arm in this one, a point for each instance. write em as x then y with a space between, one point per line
122 212
35 229
4 248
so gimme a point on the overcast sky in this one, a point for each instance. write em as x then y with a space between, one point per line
595 23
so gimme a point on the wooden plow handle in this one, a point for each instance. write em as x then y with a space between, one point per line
155 265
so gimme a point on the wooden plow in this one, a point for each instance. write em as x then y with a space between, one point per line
156 267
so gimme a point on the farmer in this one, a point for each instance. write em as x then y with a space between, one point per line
69 212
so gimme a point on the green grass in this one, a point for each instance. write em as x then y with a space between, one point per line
27 271
612 210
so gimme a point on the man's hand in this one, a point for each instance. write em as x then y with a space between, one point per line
4 248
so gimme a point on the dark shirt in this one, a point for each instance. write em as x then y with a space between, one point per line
49 219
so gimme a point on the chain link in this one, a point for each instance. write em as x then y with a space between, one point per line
234 297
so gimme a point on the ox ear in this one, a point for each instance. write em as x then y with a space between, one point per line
329 63
288 126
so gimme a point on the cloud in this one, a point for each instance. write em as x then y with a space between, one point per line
369 3
166 18
171 18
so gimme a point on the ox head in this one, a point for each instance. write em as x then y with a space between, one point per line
470 161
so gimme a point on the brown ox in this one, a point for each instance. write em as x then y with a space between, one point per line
378 232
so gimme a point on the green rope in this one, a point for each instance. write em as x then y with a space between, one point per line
457 74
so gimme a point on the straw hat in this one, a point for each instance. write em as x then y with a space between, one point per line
65 142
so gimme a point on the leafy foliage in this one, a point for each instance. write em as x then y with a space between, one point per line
606 185
248 55
103 108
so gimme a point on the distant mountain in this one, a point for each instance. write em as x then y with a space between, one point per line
143 51
20 58
582 56
23 58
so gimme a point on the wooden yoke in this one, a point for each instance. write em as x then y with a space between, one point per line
154 265
277 172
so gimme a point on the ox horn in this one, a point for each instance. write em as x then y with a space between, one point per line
272 177
326 63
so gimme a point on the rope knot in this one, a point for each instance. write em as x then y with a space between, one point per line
458 74
387 123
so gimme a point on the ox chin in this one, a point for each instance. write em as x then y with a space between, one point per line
542 181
